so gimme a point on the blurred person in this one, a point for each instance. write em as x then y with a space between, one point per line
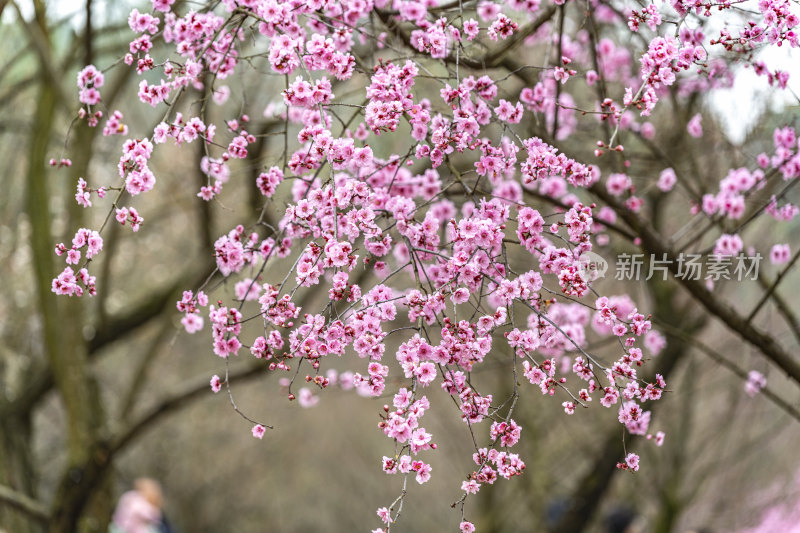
140 510
624 520
555 512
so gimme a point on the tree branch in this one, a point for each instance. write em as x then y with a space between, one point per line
783 308
39 42
114 329
736 369
492 58
771 290
652 243
24 503
118 326
188 393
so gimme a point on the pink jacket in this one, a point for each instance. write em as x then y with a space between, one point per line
134 514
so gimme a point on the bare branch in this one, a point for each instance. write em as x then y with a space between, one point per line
653 243
186 394
24 503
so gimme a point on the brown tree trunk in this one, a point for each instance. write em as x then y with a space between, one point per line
62 320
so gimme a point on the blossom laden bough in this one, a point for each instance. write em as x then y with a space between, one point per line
434 257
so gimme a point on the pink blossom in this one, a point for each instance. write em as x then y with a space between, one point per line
694 127
258 431
755 382
667 180
728 245
471 28
306 399
780 254
216 384
384 515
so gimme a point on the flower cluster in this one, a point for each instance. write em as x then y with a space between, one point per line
429 246
648 15
90 80
402 425
755 382
84 196
133 166
68 282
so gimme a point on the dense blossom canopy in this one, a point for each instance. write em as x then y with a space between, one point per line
435 255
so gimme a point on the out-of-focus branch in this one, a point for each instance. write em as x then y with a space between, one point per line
106 279
101 456
139 378
561 15
39 42
88 37
72 59
115 328
8 67
731 366
771 290
658 153
17 89
118 326
38 382
493 58
653 243
185 395
671 499
24 503
783 308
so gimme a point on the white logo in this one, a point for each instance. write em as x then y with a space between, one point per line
592 266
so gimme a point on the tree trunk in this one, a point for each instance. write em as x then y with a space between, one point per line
62 320
17 473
